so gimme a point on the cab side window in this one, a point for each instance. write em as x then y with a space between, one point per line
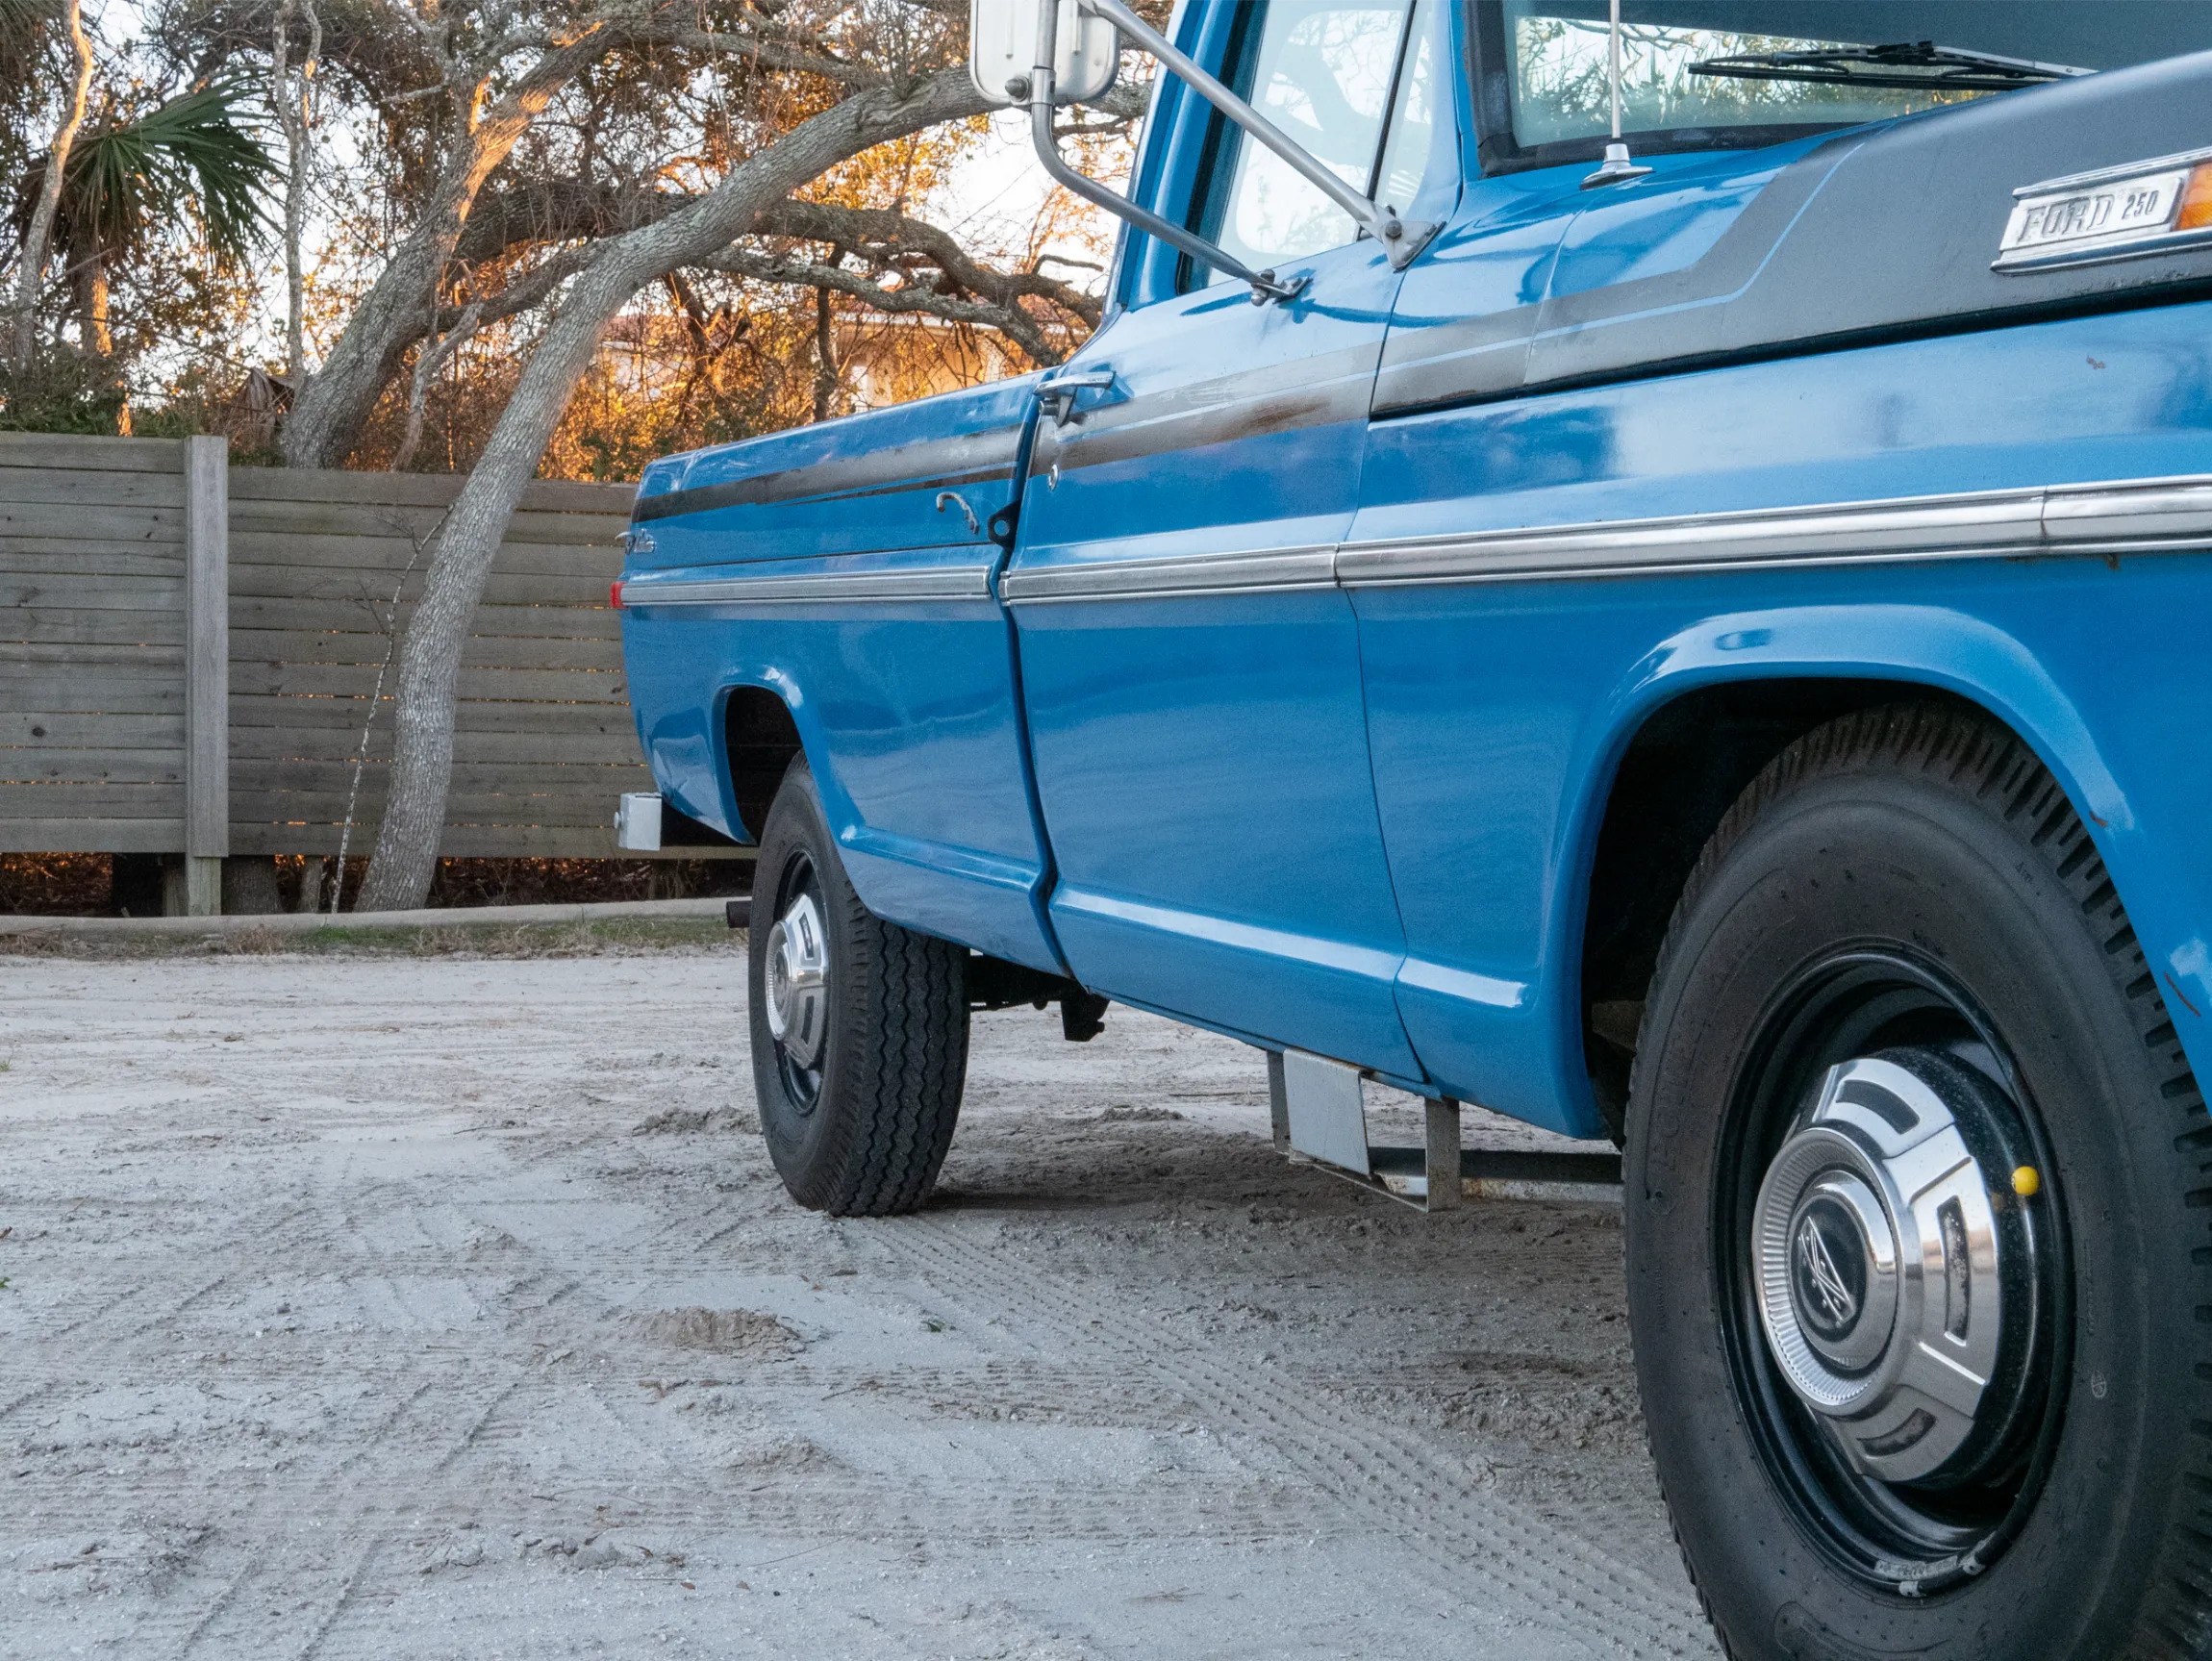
1356 85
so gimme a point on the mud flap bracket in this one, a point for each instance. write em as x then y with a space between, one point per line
1322 1115
1318 1109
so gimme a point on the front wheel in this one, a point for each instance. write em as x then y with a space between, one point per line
859 1026
1915 1271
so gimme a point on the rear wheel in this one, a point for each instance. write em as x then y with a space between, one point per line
859 1026
1915 1261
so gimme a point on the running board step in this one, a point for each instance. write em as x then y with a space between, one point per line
1320 1113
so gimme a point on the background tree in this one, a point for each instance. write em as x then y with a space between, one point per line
39 227
468 537
292 90
134 175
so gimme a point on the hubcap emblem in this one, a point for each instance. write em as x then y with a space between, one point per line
1831 1277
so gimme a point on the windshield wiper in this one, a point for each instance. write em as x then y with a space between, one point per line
1915 65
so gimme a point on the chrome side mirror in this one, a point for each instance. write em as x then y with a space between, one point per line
1072 45
1002 51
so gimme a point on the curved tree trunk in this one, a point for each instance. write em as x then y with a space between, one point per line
406 856
40 231
294 96
88 283
329 412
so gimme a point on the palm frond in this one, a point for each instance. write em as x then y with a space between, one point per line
193 152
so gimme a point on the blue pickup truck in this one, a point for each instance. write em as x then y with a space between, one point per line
1651 571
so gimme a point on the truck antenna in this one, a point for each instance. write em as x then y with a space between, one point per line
1617 166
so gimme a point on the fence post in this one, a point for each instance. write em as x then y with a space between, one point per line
207 672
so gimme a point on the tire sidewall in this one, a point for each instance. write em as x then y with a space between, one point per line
1892 856
805 1142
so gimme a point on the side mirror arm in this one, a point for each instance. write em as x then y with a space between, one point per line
1400 239
1265 284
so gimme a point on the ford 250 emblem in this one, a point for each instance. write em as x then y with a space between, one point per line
2113 214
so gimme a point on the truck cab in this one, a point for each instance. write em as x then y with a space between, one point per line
1672 604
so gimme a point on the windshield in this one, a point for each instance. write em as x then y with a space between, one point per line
1557 53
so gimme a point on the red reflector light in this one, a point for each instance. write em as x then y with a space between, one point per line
614 595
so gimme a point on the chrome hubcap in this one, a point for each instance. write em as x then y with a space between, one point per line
798 982
1883 1262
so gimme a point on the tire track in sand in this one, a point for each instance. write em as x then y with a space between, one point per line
1385 1477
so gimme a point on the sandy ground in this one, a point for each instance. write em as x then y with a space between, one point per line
397 1306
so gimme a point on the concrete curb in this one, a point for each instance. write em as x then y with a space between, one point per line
306 922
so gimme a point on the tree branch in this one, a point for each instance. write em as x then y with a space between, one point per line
895 241
1012 321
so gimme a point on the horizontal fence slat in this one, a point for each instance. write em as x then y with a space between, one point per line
68 626
366 617
335 747
35 801
272 524
93 834
90 590
153 526
328 807
44 764
94 697
353 551
98 455
126 659
78 727
73 487
404 524
560 721
578 496
568 530
323 586
497 686
527 778
365 651
284 487
87 558
417 489
460 841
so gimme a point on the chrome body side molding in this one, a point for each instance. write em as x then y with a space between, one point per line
2146 516
1191 574
967 581
2131 517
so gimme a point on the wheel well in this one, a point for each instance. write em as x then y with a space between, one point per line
1686 766
760 738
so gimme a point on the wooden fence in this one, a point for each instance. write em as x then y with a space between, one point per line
195 652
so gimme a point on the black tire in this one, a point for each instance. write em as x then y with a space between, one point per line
859 1127
1924 844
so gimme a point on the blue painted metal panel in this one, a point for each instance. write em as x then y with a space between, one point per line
906 712
854 486
906 707
1497 712
1202 761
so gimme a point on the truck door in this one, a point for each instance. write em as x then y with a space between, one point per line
1191 672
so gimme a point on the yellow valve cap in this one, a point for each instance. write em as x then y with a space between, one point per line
2026 1181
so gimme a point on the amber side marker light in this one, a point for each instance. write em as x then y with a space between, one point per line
2196 201
614 595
